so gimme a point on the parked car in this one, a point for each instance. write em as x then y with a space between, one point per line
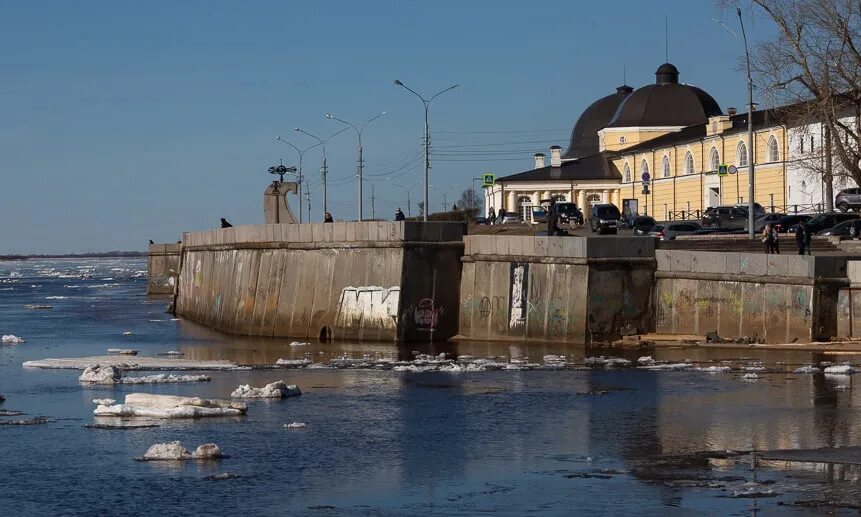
510 218
839 230
642 224
848 199
757 208
763 220
827 220
604 218
539 215
669 231
481 220
787 223
725 217
569 213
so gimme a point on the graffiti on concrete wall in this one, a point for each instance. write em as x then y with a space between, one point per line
368 306
426 314
518 304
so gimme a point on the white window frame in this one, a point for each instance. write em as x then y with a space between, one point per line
626 173
665 167
689 163
714 159
741 154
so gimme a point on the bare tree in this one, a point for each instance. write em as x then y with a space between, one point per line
469 200
813 67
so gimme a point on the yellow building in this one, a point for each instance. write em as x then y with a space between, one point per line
673 134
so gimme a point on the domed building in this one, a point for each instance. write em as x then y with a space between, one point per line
674 134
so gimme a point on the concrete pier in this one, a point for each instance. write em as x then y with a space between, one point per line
571 289
381 281
163 264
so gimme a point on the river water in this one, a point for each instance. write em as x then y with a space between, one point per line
545 435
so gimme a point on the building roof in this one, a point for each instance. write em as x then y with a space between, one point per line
584 136
594 167
665 103
761 119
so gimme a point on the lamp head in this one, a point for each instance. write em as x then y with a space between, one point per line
398 82
296 129
329 115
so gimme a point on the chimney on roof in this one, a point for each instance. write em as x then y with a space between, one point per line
731 112
539 160
555 156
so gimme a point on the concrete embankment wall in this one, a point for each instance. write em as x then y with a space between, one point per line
163 264
777 298
381 281
849 303
571 289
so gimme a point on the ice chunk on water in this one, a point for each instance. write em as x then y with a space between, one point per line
295 425
175 451
646 359
97 374
300 343
11 339
807 369
273 390
104 402
171 406
294 363
843 369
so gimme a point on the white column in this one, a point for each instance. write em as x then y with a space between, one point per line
547 195
605 196
511 205
581 200
536 200
572 196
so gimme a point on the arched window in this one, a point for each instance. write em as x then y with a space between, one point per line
593 199
741 155
622 140
626 172
714 159
773 153
525 208
560 198
689 163
665 167
644 168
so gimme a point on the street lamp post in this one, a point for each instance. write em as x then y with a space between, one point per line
426 103
405 189
300 180
324 170
750 152
361 165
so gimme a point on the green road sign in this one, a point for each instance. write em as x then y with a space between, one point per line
723 170
488 179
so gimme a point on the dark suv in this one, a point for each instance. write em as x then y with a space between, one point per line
604 218
725 217
569 213
848 198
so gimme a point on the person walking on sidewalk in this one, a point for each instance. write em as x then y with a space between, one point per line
802 238
769 238
399 215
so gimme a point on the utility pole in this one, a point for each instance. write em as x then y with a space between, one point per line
308 199
426 103
325 167
360 167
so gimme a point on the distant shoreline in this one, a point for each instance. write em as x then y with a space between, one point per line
105 254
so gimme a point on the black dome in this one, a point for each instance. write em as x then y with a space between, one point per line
584 136
665 103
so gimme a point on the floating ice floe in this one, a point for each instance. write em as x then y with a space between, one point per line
807 369
11 339
841 369
713 369
175 451
607 362
129 363
128 333
27 421
299 343
293 363
172 353
56 297
122 351
273 390
667 366
171 406
646 359
750 377
295 425
35 306
97 374
104 402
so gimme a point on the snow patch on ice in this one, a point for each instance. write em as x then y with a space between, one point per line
807 369
843 369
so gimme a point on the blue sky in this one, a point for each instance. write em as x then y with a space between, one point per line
124 121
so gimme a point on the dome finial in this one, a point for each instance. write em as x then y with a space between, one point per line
667 74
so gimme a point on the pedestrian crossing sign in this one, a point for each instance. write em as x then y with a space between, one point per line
723 170
488 179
